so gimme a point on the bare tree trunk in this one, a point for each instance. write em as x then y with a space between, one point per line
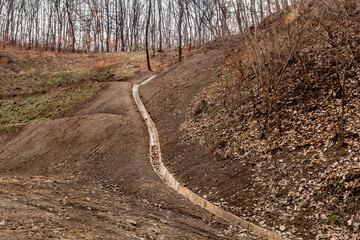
189 24
107 26
70 18
181 15
160 26
277 5
60 23
147 36
285 4
269 6
341 121
261 10
48 32
122 25
153 31
237 7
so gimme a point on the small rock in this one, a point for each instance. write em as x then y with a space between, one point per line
227 232
35 228
132 222
2 223
163 221
155 230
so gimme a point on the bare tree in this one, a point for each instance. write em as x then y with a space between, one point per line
147 36
180 22
70 19
120 25
160 26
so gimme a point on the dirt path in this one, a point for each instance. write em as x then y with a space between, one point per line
88 177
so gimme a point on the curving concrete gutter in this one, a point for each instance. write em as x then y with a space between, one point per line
167 177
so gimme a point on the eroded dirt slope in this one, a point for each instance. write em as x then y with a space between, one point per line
303 187
167 98
88 177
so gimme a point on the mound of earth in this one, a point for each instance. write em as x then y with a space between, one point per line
304 187
88 176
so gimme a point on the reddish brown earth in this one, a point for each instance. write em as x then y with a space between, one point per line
88 176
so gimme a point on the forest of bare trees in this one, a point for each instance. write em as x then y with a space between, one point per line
120 25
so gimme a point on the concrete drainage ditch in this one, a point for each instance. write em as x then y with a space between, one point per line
167 177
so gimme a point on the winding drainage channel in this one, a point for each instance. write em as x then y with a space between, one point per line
167 177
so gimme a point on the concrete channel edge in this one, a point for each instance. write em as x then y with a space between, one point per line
168 178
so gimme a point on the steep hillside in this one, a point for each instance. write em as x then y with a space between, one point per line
270 129
88 176
83 172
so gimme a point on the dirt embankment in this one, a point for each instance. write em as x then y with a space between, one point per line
88 176
280 189
167 99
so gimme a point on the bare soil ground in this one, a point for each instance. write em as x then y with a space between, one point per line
167 98
300 184
88 176
36 85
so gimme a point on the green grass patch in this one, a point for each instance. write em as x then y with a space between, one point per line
37 81
36 86
18 111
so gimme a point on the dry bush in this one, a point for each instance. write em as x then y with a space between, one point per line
264 60
306 62
273 58
103 65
